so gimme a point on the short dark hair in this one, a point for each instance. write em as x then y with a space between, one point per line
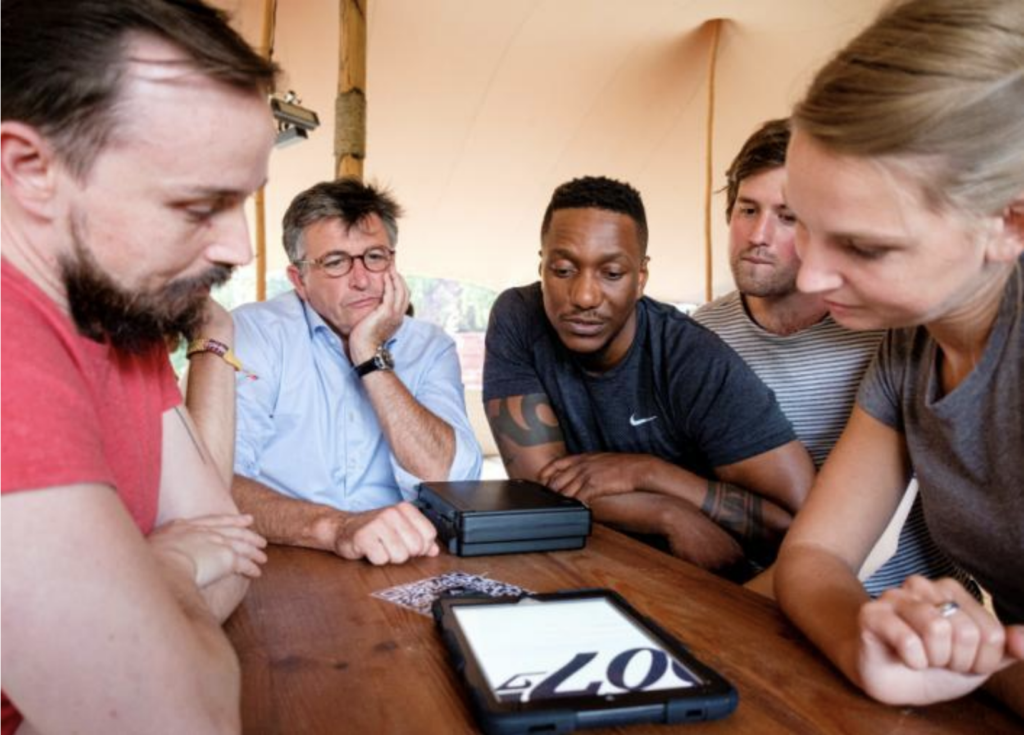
763 151
63 62
348 199
599 192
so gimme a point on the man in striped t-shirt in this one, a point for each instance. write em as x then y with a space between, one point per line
813 364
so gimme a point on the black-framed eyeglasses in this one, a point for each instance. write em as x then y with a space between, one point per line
337 264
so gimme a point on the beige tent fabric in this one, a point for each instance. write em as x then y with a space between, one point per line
477 109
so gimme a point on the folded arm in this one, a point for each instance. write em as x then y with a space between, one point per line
528 436
389 535
82 588
754 499
191 489
757 498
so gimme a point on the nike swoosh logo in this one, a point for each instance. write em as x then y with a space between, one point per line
634 421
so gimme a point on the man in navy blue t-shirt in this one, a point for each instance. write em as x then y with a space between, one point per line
628 404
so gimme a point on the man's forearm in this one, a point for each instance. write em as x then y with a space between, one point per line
423 443
210 392
690 534
192 485
224 595
743 513
220 670
284 520
210 399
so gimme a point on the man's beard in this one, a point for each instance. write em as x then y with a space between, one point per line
133 321
775 284
773 287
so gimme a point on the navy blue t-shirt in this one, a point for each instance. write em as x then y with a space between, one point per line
680 394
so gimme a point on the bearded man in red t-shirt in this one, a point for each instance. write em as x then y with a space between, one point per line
133 131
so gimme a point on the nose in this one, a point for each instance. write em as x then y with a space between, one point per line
586 291
764 229
231 244
816 274
359 277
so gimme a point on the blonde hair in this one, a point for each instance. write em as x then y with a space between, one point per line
937 87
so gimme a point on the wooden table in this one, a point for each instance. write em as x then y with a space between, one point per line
319 654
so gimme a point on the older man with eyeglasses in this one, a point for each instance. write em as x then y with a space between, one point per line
346 404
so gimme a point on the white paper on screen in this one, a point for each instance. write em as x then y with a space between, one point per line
519 646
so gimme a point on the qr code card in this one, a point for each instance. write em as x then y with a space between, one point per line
419 596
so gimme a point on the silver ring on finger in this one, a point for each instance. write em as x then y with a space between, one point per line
947 609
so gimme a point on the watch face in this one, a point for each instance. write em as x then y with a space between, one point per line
384 360
381 360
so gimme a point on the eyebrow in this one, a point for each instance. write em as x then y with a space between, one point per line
759 203
874 238
557 252
337 251
212 192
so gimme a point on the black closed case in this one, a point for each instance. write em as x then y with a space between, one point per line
478 517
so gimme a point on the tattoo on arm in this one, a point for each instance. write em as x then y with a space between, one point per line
200 449
533 430
740 512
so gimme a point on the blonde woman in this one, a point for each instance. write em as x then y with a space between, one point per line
906 172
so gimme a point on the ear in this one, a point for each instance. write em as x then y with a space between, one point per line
641 281
1007 243
295 277
1013 216
28 168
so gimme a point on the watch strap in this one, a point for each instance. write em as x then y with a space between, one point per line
381 360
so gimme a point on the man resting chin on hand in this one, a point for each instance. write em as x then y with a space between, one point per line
354 403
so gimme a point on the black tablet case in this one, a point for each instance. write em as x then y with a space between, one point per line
478 517
713 700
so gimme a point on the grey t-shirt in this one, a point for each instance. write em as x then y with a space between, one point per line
967 447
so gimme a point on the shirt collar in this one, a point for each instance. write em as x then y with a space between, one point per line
314 322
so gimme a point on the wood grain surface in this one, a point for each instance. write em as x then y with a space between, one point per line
319 654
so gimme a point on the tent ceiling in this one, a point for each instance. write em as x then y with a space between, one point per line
479 108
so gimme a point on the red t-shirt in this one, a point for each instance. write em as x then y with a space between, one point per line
76 411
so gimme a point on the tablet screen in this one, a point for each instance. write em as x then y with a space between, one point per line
539 650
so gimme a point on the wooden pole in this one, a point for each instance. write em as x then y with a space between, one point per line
260 215
716 26
259 200
350 104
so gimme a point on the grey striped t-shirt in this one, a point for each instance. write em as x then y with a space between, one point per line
814 372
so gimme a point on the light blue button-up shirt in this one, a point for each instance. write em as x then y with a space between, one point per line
305 425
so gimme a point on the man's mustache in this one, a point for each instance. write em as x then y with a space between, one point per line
215 276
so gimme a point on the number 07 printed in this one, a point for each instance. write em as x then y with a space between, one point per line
568 649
